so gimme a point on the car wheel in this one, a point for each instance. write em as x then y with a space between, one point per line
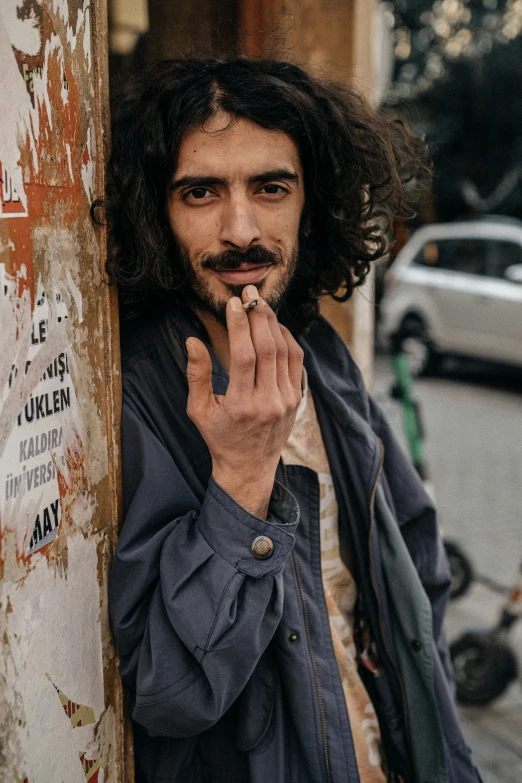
423 358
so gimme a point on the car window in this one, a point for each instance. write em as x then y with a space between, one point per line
458 255
429 255
501 255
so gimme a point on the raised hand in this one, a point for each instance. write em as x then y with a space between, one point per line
246 429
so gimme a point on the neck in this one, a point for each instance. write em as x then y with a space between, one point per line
218 336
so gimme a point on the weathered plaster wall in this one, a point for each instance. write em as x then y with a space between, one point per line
60 702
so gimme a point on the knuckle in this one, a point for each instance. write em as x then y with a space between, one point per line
276 411
281 411
266 416
240 414
282 351
245 358
295 399
290 407
291 402
297 351
266 349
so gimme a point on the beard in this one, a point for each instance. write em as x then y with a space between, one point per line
199 290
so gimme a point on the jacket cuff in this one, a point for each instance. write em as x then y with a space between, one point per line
230 530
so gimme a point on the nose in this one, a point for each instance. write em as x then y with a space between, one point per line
239 225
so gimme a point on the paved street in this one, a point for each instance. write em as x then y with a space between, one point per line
473 421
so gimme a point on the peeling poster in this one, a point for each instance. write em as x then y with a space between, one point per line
58 678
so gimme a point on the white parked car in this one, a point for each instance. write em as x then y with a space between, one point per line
456 288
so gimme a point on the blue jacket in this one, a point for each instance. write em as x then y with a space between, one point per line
229 658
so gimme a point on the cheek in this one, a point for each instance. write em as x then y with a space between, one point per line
285 231
280 221
194 229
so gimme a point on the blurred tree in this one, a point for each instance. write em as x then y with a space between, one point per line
457 76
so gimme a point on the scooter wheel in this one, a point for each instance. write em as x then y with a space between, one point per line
460 567
483 666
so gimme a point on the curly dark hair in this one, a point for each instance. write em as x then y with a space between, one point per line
360 169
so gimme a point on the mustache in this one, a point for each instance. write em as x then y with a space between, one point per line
232 259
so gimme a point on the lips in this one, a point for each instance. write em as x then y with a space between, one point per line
243 275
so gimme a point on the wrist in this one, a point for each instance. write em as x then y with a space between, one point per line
251 493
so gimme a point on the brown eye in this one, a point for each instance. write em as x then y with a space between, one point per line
198 193
273 190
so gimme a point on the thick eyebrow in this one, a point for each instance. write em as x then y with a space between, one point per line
195 182
266 176
202 181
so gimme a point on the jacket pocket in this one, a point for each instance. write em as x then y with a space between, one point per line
255 706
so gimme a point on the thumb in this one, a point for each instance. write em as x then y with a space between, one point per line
199 373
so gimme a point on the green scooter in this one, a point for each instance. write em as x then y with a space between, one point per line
483 660
403 391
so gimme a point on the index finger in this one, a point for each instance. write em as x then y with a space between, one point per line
242 353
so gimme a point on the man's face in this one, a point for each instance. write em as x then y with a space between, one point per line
234 205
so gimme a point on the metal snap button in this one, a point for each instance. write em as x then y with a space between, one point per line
416 646
292 637
262 547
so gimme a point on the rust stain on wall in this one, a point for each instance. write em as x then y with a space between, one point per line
58 493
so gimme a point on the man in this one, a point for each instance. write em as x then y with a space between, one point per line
278 590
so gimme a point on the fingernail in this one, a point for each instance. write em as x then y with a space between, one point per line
235 303
251 291
191 348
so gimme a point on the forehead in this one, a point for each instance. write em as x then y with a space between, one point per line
235 147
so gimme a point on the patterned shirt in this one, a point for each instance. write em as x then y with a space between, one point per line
305 447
